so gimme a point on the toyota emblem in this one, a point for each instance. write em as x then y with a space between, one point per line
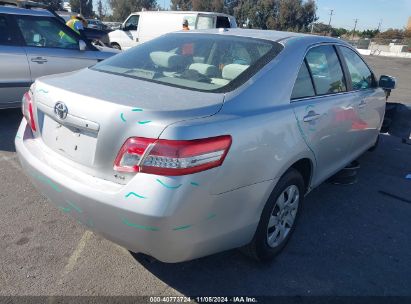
60 109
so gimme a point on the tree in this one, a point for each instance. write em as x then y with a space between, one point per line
181 5
84 7
369 33
391 34
100 9
123 8
53 4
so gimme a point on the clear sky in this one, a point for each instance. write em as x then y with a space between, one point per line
394 13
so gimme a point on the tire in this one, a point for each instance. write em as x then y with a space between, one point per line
260 248
116 46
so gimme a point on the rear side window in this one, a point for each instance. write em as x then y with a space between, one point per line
361 76
223 22
326 70
5 32
303 85
203 62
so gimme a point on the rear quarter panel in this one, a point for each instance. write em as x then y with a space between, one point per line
266 139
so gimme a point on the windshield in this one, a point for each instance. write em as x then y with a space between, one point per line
202 62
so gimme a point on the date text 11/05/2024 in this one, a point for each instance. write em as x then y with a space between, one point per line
183 299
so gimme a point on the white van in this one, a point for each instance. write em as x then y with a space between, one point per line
146 25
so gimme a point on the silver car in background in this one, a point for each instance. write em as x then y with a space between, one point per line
34 43
199 142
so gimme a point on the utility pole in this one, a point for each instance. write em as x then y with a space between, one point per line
312 25
355 27
331 15
379 25
329 22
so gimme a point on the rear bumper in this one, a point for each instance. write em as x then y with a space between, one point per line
171 219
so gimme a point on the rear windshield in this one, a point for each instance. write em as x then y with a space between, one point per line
204 62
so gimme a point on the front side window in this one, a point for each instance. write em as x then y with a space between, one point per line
326 70
5 32
194 61
361 76
303 86
132 23
46 32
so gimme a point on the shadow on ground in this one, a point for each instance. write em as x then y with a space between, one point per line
10 121
350 240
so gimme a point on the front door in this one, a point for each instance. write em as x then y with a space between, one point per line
324 110
14 72
52 47
130 29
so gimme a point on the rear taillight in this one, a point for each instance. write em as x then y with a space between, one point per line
28 110
172 157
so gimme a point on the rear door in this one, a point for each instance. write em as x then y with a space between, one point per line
51 46
324 110
14 68
369 100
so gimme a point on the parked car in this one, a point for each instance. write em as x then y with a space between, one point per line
194 143
112 25
146 25
97 24
34 43
96 36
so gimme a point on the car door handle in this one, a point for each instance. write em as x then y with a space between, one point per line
362 104
311 117
39 60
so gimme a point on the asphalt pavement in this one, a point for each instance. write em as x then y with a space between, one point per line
350 240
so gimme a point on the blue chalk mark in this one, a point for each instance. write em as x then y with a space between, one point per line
122 117
211 216
185 227
148 228
74 206
195 184
18 136
168 186
135 194
137 110
143 122
65 210
49 182
42 91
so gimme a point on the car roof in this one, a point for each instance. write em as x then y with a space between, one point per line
180 13
22 11
276 36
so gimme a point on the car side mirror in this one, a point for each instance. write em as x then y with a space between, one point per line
82 45
387 82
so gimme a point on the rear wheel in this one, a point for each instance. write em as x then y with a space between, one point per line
278 218
115 46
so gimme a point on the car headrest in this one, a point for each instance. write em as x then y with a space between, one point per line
167 60
231 71
205 69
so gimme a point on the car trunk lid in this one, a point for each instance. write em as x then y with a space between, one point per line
86 116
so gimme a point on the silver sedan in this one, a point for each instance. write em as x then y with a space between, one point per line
199 142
